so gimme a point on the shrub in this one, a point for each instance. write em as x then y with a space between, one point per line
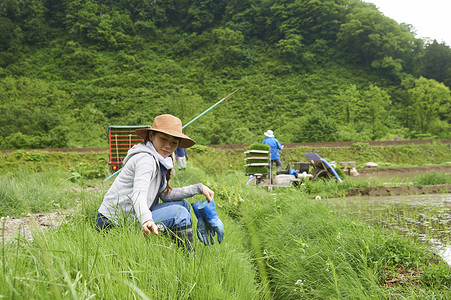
433 179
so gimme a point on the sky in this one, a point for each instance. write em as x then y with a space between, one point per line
430 18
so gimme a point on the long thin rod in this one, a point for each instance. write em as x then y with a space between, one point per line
211 107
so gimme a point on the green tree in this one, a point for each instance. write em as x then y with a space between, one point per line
430 100
91 22
349 104
368 37
291 48
88 127
226 46
436 62
318 128
183 103
376 104
7 33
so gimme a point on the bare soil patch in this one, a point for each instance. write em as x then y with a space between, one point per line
13 227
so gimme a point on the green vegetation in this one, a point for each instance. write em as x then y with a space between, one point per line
284 243
255 155
309 70
23 193
74 261
310 253
433 178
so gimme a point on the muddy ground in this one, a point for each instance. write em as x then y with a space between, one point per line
12 226
400 190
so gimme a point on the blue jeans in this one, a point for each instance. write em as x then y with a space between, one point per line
174 214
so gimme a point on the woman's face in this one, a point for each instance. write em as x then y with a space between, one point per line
163 143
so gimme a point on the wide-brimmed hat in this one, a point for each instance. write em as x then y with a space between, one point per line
269 133
170 125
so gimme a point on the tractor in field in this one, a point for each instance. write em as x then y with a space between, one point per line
294 174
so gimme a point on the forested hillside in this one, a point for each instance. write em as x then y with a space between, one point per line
331 70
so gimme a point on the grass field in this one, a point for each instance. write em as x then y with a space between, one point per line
280 244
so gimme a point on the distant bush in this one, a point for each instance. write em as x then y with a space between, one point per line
199 149
433 179
88 171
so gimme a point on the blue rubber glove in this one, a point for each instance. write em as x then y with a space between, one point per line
203 230
208 212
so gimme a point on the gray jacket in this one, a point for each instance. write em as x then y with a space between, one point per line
137 185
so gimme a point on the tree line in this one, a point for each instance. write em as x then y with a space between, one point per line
332 70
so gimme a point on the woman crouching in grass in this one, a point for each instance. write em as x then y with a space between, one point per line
144 180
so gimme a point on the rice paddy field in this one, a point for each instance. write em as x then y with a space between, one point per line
288 243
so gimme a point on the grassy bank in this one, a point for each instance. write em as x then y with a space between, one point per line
311 253
216 161
280 244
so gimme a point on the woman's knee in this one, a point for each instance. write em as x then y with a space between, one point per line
182 216
173 215
186 205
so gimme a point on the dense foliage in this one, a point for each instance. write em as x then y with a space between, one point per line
310 70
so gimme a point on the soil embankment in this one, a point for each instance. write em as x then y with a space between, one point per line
402 190
400 171
399 190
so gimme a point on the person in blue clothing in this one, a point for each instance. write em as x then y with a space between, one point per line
275 148
181 157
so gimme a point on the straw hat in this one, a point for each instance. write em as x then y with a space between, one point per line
170 125
269 133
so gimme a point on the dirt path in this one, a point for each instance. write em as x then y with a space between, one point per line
242 146
13 227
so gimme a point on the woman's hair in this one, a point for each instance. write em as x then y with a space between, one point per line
168 173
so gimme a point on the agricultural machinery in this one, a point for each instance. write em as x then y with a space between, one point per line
294 174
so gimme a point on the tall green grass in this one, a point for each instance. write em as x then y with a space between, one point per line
279 244
311 253
74 261
23 193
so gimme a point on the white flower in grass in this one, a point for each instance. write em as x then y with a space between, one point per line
299 282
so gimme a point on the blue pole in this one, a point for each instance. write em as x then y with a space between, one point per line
210 108
112 175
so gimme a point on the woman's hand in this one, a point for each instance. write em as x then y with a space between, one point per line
149 227
208 193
